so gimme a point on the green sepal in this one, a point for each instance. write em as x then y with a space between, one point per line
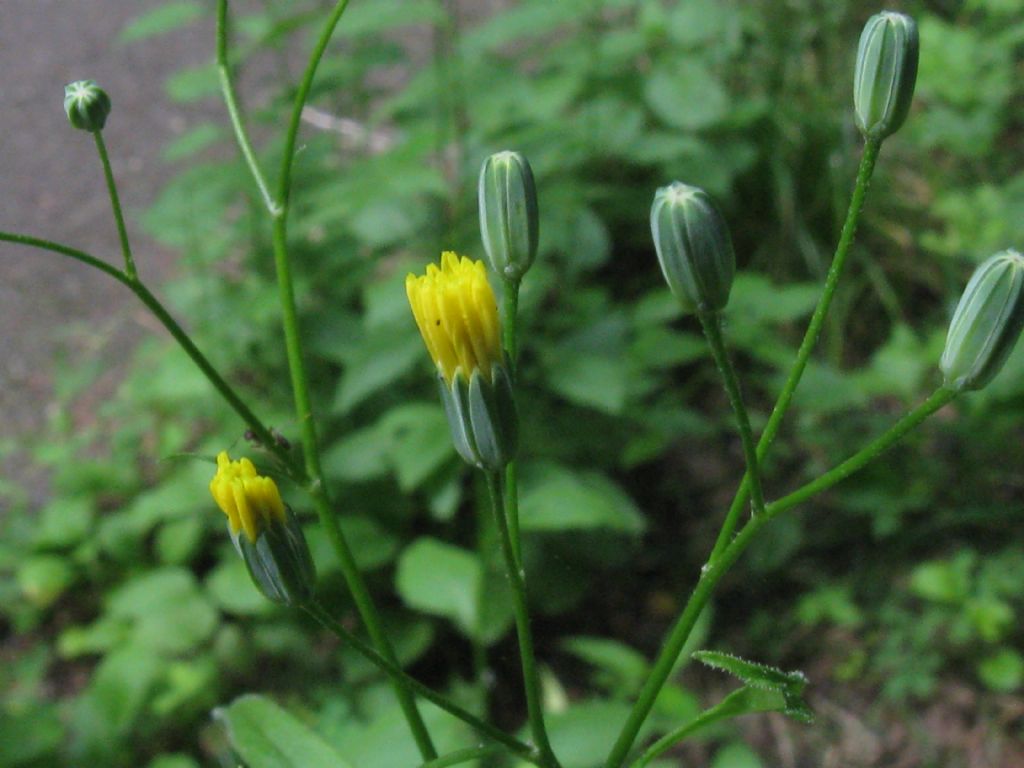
482 417
761 676
279 561
986 324
492 414
456 408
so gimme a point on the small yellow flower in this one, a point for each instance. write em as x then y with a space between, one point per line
457 314
251 501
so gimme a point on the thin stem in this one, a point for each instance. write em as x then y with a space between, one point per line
115 204
867 167
677 638
937 400
263 434
364 649
715 569
303 406
531 680
509 326
461 756
711 322
230 100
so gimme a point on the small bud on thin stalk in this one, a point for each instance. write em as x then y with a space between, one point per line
86 105
508 214
885 74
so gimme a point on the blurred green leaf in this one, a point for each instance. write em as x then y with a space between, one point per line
266 736
161 19
441 579
736 755
44 578
555 498
1003 671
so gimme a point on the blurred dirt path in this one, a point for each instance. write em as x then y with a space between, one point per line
51 185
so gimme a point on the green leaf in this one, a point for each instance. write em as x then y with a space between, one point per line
594 379
736 755
761 676
374 363
231 588
64 522
192 142
192 84
266 736
167 610
687 95
385 15
43 579
165 17
419 442
30 735
117 693
441 579
620 669
1003 671
555 498
583 735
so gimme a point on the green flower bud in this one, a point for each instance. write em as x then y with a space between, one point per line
482 417
986 323
508 214
87 105
279 561
883 82
694 247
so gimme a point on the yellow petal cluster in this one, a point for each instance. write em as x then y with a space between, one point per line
251 501
457 314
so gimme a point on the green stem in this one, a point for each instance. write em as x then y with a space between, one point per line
711 322
300 389
710 576
263 434
867 167
513 744
461 756
715 569
509 326
531 680
230 100
937 400
115 204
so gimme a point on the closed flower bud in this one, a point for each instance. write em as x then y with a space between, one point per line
265 532
986 323
455 309
883 82
87 105
694 247
508 214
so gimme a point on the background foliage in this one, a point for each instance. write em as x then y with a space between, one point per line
129 615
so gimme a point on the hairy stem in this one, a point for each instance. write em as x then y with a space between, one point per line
262 432
531 680
367 651
230 100
115 204
867 167
711 322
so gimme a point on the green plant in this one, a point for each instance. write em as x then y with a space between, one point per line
382 436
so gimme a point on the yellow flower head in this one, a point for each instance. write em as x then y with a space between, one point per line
455 309
250 501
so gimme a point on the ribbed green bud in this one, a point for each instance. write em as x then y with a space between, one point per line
694 247
986 323
279 561
883 82
87 105
482 417
508 214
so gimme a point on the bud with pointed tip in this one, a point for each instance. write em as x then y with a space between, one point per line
885 74
508 214
87 105
986 323
694 247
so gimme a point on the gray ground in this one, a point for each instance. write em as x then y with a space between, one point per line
52 186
